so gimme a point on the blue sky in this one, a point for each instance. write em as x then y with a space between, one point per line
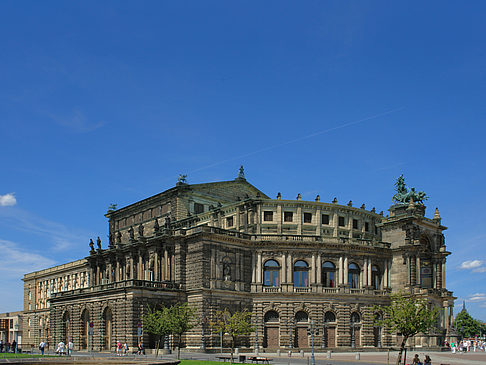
109 102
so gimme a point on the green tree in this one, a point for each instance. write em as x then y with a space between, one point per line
468 326
181 320
158 323
237 324
407 316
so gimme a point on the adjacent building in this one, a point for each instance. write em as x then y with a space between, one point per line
228 245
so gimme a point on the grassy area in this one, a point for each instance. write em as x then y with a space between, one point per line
200 362
4 355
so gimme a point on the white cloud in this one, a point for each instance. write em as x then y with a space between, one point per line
17 261
77 121
61 237
7 200
472 264
477 297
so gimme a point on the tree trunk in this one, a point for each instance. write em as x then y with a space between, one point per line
178 346
158 346
402 347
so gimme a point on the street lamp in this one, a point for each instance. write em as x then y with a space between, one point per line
313 331
291 324
256 336
203 334
353 339
324 334
67 337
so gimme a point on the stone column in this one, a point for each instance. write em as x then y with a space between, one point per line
299 220
284 268
156 266
259 268
237 222
385 275
290 266
443 284
259 219
335 221
364 273
318 222
131 268
279 219
313 269
418 270
340 271
369 273
253 268
346 271
319 268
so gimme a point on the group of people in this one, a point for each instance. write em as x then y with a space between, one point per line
62 348
427 360
122 349
467 345
6 346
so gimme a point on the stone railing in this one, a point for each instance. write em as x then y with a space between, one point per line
284 237
163 285
272 289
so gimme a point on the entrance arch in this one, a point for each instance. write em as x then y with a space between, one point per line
271 336
107 328
84 343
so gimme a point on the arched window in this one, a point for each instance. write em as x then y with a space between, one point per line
328 274
329 317
271 316
301 316
271 272
355 317
66 326
375 277
353 276
301 274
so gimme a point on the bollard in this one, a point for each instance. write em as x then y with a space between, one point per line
278 352
357 356
329 354
302 353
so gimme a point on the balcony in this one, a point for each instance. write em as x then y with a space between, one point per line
302 290
272 289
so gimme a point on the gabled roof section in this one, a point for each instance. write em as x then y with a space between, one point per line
229 191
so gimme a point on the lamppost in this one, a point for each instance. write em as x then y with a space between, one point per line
203 334
324 334
256 336
67 337
353 339
291 324
313 331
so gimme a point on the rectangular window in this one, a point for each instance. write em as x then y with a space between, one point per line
341 222
267 216
355 224
198 208
229 222
325 219
307 217
367 227
288 216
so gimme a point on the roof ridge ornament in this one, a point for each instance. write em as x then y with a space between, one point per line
404 196
241 173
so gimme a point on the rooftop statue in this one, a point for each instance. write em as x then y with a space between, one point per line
241 173
403 195
182 179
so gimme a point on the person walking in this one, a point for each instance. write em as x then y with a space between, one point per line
416 360
427 360
42 347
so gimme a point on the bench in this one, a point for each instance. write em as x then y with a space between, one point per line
257 359
224 358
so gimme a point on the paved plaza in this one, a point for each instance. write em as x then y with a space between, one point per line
343 358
